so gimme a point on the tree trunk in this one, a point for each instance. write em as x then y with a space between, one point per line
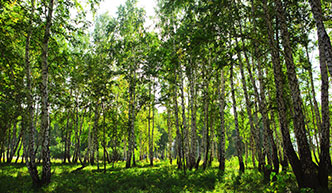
15 143
75 156
104 136
278 76
193 149
211 141
324 41
131 127
309 168
170 141
314 123
253 130
88 151
184 144
149 128
45 122
94 135
152 133
19 150
316 108
237 131
205 136
325 60
222 150
30 154
178 135
68 139
266 123
79 137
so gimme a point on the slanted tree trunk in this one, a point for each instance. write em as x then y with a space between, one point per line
14 142
325 60
268 133
253 130
278 76
266 123
19 150
313 92
237 131
309 168
313 116
324 41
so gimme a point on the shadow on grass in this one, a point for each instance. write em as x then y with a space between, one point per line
162 177
135 180
142 178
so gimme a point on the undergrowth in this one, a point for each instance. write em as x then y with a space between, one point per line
162 177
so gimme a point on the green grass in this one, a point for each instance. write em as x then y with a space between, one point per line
163 177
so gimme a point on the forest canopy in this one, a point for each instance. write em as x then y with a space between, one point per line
205 82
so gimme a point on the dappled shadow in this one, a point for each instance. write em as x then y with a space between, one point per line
134 180
143 178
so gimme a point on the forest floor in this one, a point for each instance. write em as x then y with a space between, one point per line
162 177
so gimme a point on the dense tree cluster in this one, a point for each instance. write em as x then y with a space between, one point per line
215 79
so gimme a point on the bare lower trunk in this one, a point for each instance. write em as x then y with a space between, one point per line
94 136
185 146
193 149
104 137
131 125
152 132
178 134
205 136
87 153
149 128
170 141
237 131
